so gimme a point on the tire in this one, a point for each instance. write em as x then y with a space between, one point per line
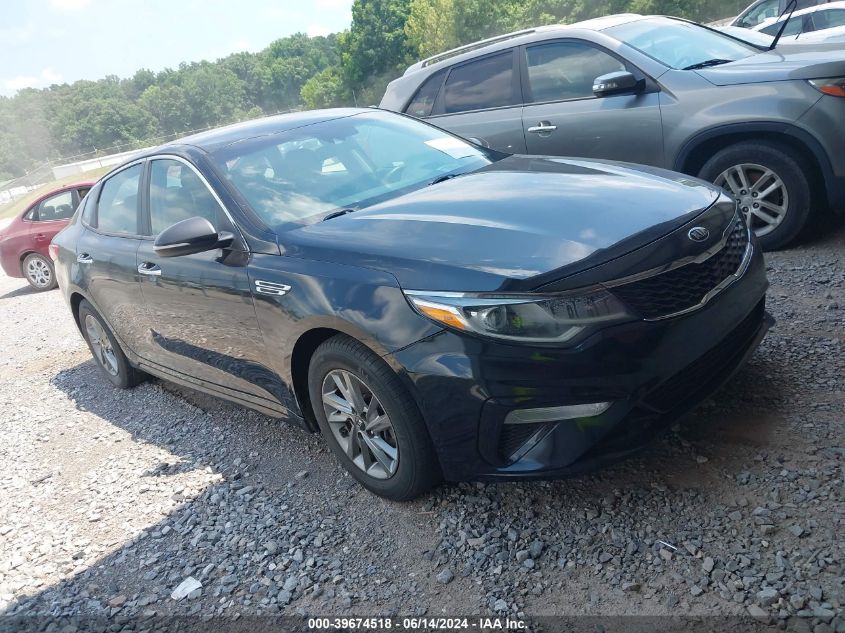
109 357
39 272
757 160
395 421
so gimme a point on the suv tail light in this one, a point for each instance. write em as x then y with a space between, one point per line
53 250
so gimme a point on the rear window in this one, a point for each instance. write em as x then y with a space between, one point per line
486 83
423 101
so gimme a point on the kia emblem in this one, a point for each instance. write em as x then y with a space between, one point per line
698 234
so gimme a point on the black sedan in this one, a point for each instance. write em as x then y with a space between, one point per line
436 309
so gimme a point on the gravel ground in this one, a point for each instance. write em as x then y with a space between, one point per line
110 499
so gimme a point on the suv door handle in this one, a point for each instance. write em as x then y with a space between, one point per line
148 268
542 126
84 258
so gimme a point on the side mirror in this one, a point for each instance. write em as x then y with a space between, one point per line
194 235
616 83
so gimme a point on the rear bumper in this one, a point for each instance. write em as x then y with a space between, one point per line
651 372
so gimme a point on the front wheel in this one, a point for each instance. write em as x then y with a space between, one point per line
370 421
772 189
39 272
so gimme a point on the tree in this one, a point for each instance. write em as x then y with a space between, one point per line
376 41
326 89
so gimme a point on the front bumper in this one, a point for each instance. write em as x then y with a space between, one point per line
652 372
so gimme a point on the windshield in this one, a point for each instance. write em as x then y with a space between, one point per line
680 44
301 176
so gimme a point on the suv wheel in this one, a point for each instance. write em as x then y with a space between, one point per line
370 421
106 351
772 189
39 272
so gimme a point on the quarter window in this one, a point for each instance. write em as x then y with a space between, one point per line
486 83
58 207
423 101
117 209
176 194
566 70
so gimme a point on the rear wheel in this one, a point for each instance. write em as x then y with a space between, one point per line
106 351
39 272
370 421
772 189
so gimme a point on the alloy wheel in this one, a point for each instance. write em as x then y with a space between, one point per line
762 194
38 272
101 345
360 424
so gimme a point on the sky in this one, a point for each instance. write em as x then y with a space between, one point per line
43 42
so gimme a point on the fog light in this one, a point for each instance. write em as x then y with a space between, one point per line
553 414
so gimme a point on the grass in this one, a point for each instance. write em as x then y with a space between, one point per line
13 208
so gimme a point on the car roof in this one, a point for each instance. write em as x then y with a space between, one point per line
819 7
594 24
212 140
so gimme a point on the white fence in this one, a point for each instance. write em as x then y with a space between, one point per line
93 163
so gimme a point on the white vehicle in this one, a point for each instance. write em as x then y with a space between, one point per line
822 23
760 11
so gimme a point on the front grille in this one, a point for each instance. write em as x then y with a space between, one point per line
708 371
682 288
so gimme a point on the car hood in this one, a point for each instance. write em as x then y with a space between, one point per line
786 62
506 226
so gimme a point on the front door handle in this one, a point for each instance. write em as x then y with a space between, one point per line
542 127
148 268
84 258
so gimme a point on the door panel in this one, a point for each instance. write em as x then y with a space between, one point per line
481 99
107 271
200 315
562 116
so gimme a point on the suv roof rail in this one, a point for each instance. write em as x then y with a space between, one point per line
428 61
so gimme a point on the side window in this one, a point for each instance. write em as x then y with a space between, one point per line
758 13
59 207
87 205
566 70
828 19
423 101
486 83
117 209
177 193
795 26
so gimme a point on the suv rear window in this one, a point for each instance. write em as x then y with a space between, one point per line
423 101
486 83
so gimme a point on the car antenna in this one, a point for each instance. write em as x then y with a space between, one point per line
793 4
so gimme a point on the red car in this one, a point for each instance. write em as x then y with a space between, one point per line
24 242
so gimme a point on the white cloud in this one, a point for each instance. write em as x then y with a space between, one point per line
69 5
314 30
47 77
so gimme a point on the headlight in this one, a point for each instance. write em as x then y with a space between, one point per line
521 317
834 87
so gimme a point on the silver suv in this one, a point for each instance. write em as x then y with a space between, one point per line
768 126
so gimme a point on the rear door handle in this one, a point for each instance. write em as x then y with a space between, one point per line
543 126
84 258
40 237
148 268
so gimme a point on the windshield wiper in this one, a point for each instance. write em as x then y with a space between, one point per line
707 63
790 7
443 178
337 214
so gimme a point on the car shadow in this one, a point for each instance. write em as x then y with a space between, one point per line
232 481
20 292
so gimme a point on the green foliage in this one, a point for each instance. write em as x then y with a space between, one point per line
349 68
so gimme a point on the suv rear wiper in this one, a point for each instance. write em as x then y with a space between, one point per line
709 62
337 214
